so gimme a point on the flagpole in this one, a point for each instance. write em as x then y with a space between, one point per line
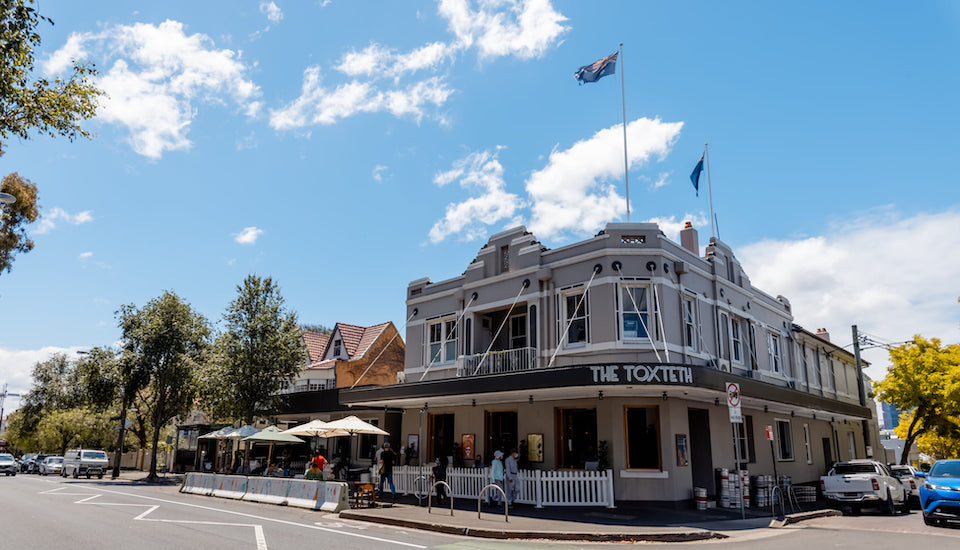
706 155
623 98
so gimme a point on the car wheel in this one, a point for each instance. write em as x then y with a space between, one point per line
88 475
76 474
100 476
891 505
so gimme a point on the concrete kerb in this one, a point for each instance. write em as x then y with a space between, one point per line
494 533
802 516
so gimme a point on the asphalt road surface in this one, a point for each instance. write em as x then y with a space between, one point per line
49 512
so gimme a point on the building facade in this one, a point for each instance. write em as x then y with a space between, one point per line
614 353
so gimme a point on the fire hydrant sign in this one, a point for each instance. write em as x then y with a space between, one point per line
769 433
733 402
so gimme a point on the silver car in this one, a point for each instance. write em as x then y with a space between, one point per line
908 478
51 465
8 464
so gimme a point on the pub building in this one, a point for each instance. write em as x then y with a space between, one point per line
614 353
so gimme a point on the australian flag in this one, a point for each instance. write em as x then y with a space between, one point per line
597 70
695 176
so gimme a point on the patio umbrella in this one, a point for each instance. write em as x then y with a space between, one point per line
240 433
219 435
314 428
352 425
274 436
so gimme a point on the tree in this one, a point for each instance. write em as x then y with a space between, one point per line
28 104
258 354
924 377
13 218
165 339
73 427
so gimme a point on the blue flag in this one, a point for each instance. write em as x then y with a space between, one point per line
695 176
597 70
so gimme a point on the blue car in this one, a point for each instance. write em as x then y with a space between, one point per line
940 492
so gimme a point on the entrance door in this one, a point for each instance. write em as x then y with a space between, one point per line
827 455
440 436
701 456
501 433
577 440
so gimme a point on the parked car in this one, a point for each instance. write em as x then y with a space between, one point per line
940 492
88 462
908 478
859 483
51 465
33 467
8 464
25 461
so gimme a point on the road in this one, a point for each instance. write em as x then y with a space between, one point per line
51 512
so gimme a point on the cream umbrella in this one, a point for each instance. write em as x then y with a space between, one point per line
314 428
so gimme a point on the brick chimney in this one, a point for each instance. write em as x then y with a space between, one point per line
822 333
689 239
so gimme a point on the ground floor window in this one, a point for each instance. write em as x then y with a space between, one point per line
784 440
577 441
643 437
852 445
743 434
806 443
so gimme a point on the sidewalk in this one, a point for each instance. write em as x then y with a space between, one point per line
628 522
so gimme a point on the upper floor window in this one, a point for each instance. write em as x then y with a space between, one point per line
724 329
773 351
442 341
518 331
336 348
575 312
636 312
736 340
691 323
504 259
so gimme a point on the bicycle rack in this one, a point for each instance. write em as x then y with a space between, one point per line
506 515
418 484
774 497
430 496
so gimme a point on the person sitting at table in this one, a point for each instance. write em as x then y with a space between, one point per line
313 472
271 469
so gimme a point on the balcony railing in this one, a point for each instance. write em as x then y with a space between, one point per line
309 385
498 362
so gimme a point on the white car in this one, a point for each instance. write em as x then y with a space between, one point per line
88 462
8 464
908 478
858 483
51 465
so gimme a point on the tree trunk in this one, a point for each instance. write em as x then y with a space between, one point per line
911 437
119 452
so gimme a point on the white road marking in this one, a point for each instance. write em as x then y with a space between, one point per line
253 516
257 529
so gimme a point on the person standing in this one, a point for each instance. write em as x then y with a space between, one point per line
496 473
387 459
511 474
439 474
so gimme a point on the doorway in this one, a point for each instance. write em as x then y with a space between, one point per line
701 456
501 433
440 436
577 441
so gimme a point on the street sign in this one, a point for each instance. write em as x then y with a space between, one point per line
733 402
769 433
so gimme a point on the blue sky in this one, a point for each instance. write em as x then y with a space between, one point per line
347 148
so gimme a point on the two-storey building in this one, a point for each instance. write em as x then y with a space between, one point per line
614 353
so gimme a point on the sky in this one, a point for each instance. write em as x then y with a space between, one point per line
347 148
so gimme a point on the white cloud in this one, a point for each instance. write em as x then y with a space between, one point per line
504 27
249 235
48 221
671 226
481 173
319 105
157 76
84 256
571 193
378 171
521 28
272 11
893 277
662 180
16 368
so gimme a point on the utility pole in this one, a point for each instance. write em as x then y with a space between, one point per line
860 386
3 398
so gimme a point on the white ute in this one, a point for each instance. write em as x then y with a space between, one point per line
88 462
859 483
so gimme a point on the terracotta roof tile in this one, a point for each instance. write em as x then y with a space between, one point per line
370 335
316 344
351 335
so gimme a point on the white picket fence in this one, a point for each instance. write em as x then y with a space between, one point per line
538 487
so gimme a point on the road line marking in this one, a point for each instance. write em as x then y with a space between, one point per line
273 520
253 516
